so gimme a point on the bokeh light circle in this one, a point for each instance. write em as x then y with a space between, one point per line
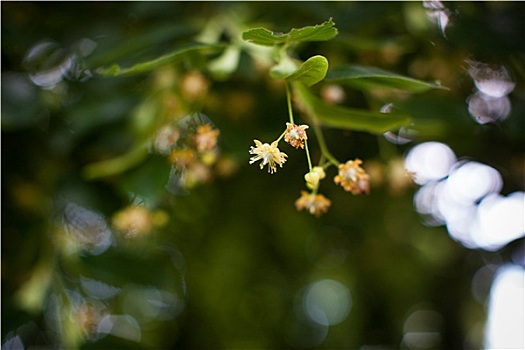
327 302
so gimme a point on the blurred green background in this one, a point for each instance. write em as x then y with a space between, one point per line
226 261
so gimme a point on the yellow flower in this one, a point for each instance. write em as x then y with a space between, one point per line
352 177
206 138
316 204
182 157
295 135
269 154
133 220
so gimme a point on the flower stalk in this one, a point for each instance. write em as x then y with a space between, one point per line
289 103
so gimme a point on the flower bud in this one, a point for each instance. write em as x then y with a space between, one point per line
312 178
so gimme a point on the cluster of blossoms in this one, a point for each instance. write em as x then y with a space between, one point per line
351 176
191 148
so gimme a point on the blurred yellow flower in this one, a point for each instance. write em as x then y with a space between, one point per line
133 221
269 154
166 138
295 135
194 86
352 177
182 156
206 138
316 204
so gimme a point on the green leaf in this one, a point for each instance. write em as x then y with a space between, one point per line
116 48
263 36
367 78
310 72
348 118
322 32
172 57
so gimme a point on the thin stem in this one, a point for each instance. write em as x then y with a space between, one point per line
308 155
282 135
322 144
325 165
289 100
323 162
